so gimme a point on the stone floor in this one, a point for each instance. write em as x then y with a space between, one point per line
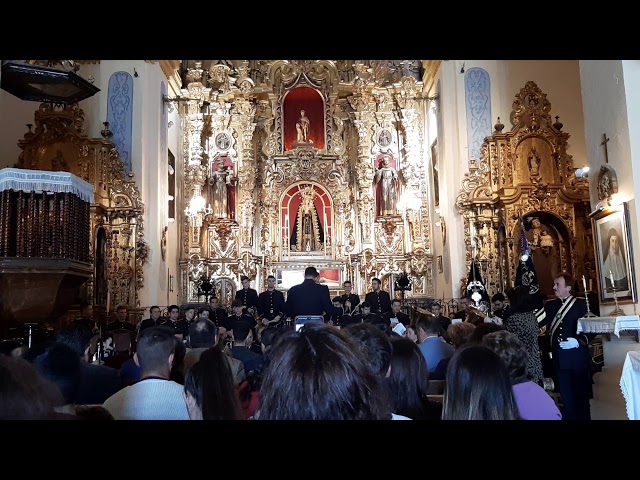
608 402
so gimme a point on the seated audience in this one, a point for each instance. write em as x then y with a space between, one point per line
325 377
25 394
242 338
534 403
209 391
478 387
459 333
376 347
203 335
433 346
154 396
408 382
97 382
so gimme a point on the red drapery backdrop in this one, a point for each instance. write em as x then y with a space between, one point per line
309 100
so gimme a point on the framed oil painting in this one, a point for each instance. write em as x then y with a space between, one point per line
612 237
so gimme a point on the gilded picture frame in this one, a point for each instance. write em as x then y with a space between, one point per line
614 254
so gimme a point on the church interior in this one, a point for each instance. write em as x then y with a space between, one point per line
433 176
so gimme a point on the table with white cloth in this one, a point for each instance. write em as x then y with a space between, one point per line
630 384
608 325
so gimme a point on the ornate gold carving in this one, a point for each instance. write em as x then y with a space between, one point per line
389 235
57 143
223 239
522 171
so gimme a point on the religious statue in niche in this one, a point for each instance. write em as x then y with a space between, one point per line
607 182
308 236
387 177
533 161
541 244
221 178
302 127
58 163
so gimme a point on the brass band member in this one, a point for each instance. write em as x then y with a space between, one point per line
247 296
350 300
271 303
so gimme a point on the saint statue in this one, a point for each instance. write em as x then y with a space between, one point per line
541 244
302 127
533 161
387 176
220 179
308 235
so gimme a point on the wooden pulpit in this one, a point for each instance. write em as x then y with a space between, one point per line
44 245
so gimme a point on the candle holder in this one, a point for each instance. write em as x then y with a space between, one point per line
589 313
617 312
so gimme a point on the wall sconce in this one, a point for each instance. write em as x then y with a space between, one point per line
197 206
582 172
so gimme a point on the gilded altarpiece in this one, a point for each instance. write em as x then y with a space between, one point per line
524 175
306 147
117 245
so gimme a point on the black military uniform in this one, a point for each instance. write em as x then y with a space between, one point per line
270 304
403 318
573 365
179 327
380 301
309 298
218 316
149 322
233 319
248 297
353 298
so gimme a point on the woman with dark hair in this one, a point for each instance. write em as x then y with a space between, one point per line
478 387
209 391
319 373
408 382
523 323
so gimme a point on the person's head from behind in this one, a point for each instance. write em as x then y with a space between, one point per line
25 394
242 334
60 364
478 387
267 338
203 333
77 337
427 326
311 273
209 390
521 300
374 344
481 330
319 373
155 351
459 333
409 379
512 351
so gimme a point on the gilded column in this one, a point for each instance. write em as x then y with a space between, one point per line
243 121
195 172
